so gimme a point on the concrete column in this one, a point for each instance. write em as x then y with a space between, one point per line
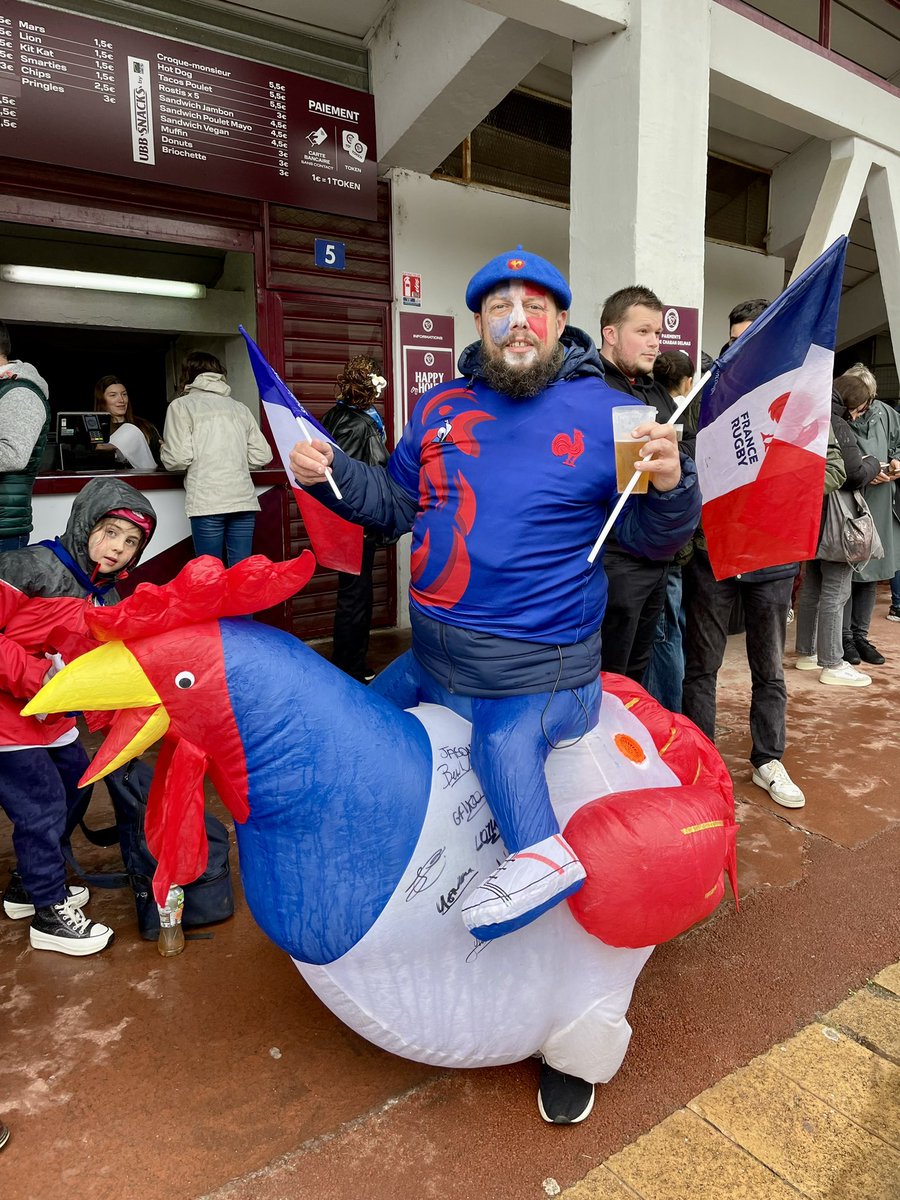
838 201
438 67
640 109
883 191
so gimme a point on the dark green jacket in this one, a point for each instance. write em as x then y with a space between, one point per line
20 384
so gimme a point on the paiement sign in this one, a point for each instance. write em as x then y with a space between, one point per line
80 93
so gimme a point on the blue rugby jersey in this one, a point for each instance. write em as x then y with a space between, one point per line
505 498
511 495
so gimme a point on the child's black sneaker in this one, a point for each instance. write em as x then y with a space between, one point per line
893 613
17 903
66 929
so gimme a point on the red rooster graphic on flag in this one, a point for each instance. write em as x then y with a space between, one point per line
567 447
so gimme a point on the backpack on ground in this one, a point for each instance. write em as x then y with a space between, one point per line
207 900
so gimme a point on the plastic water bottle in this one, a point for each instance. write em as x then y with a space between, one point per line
171 935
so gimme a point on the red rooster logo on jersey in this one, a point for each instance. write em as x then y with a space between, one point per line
568 448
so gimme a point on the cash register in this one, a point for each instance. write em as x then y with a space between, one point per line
78 436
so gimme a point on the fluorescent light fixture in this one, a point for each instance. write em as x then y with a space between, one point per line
97 282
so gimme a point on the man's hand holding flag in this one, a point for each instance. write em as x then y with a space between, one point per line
336 543
762 436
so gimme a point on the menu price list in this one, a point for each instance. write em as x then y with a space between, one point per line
77 92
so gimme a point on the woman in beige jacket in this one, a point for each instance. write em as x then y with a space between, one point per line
217 442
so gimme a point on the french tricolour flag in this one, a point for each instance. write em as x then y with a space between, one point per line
336 543
763 429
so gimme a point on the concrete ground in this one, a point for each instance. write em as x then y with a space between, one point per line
218 1074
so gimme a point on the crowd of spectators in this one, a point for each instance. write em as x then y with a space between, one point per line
666 620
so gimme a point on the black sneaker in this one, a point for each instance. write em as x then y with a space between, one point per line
867 652
17 903
851 654
563 1099
4 1135
893 613
66 929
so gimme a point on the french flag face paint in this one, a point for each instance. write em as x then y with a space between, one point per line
520 323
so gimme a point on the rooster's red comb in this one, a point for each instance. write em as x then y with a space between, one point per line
203 591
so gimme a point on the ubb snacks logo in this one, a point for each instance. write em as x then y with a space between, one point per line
141 111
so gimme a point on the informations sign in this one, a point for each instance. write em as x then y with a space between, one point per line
428 359
80 93
680 331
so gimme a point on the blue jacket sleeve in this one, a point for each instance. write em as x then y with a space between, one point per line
372 496
657 525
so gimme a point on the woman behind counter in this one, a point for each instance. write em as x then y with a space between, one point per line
136 440
216 440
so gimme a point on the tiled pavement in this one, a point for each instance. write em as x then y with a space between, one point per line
816 1116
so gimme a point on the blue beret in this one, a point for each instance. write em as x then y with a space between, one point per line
517 264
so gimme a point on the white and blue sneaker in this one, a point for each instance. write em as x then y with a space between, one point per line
523 887
17 903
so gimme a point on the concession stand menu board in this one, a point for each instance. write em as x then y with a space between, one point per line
81 93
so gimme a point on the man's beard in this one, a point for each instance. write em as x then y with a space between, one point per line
519 383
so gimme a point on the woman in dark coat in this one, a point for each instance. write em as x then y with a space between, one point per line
357 426
876 428
826 585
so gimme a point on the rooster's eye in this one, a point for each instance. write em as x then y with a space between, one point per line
184 679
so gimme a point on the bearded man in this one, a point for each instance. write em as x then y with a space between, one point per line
505 477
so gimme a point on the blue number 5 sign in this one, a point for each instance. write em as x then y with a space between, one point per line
330 254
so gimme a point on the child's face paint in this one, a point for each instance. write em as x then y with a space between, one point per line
520 324
113 543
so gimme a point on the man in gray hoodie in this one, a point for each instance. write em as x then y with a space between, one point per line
24 424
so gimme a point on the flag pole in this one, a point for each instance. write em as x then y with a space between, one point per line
328 475
632 482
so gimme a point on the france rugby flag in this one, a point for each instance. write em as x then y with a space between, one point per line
763 428
336 543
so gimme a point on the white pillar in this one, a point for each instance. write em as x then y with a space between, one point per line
438 68
883 192
838 201
640 111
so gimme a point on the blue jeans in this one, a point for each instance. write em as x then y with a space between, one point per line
664 676
13 543
227 536
511 739
895 591
39 793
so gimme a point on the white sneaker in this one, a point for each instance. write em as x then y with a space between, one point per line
17 903
807 662
843 675
523 887
774 778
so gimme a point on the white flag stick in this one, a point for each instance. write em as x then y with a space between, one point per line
632 482
328 475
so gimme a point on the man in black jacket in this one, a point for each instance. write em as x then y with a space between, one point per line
630 328
766 596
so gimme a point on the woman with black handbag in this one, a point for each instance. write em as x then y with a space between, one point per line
876 428
827 578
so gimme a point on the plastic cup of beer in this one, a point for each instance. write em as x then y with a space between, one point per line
625 418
